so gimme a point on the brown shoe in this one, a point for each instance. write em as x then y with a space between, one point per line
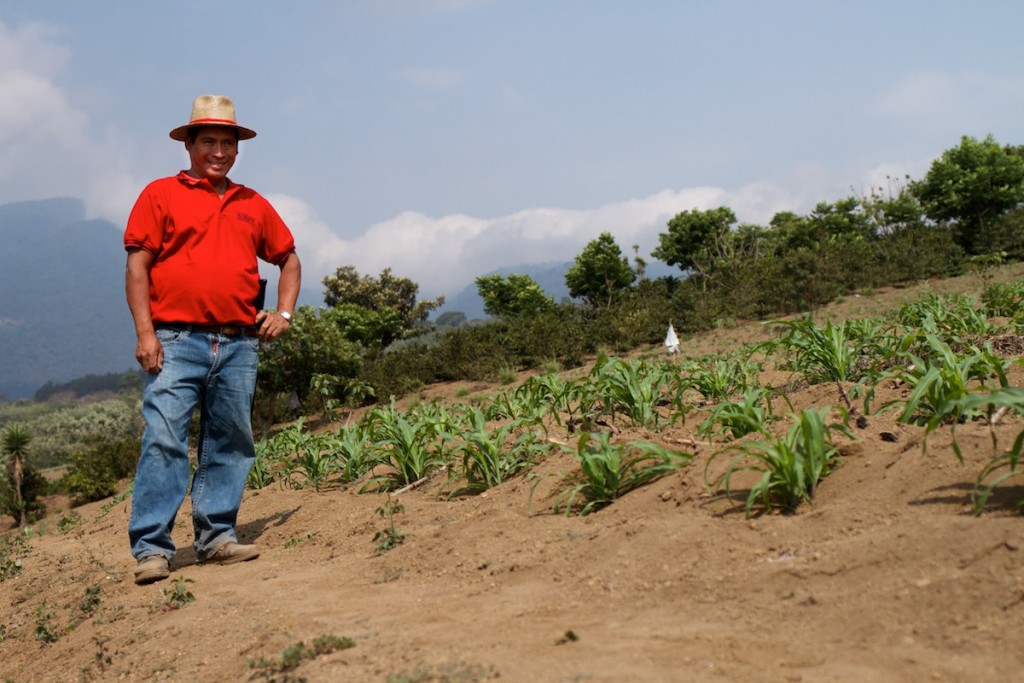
232 552
151 568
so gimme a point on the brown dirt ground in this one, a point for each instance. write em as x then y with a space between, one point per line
887 577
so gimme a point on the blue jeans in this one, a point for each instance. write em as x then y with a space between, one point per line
219 374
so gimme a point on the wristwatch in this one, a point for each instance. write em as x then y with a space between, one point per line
286 315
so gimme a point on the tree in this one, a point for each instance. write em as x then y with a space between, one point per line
971 185
512 296
599 272
391 299
15 441
316 344
696 239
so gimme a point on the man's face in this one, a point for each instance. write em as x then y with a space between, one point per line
213 152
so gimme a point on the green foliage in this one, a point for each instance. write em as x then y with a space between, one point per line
178 594
492 454
790 466
99 465
1004 299
940 380
600 272
737 419
316 344
1004 465
839 352
609 471
61 429
409 444
390 537
971 185
696 239
113 382
21 486
46 630
514 295
13 548
388 303
631 389
296 655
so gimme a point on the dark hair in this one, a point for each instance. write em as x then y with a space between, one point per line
192 132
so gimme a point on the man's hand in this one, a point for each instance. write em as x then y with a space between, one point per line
272 325
150 353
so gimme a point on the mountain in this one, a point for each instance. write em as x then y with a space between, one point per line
63 313
550 277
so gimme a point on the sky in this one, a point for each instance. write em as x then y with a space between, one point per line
446 139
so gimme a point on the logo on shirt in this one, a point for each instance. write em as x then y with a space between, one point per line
246 218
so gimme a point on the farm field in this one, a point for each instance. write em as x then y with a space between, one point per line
887 575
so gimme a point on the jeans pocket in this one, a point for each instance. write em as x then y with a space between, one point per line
169 335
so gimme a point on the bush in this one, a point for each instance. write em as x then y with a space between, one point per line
97 469
33 486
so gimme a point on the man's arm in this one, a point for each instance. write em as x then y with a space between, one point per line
273 324
148 351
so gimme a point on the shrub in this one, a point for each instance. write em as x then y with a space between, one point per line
99 466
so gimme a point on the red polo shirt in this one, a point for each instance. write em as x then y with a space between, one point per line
205 248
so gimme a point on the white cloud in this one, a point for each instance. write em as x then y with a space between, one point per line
43 135
445 254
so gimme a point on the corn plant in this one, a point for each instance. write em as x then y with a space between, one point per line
791 466
409 444
312 462
718 379
353 455
634 390
940 381
834 353
609 471
952 314
1003 466
488 459
735 419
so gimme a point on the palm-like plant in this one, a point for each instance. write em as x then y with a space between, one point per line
16 440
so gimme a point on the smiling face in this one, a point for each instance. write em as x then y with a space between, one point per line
213 152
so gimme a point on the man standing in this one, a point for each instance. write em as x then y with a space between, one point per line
192 282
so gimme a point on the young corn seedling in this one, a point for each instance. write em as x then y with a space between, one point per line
1002 466
790 466
609 471
718 379
634 390
409 445
487 457
941 380
736 419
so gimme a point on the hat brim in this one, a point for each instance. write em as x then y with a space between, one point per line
181 132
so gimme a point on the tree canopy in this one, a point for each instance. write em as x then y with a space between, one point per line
377 311
599 272
513 295
970 185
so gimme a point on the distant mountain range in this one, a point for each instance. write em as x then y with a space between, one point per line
63 313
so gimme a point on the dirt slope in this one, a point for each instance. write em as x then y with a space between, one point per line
888 577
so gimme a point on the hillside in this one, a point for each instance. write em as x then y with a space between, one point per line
887 577
63 313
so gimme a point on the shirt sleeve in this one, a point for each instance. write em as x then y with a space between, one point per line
278 241
145 223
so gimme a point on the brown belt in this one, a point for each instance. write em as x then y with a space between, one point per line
222 330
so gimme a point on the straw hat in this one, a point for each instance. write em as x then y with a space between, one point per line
212 110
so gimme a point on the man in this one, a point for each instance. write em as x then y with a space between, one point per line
192 281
